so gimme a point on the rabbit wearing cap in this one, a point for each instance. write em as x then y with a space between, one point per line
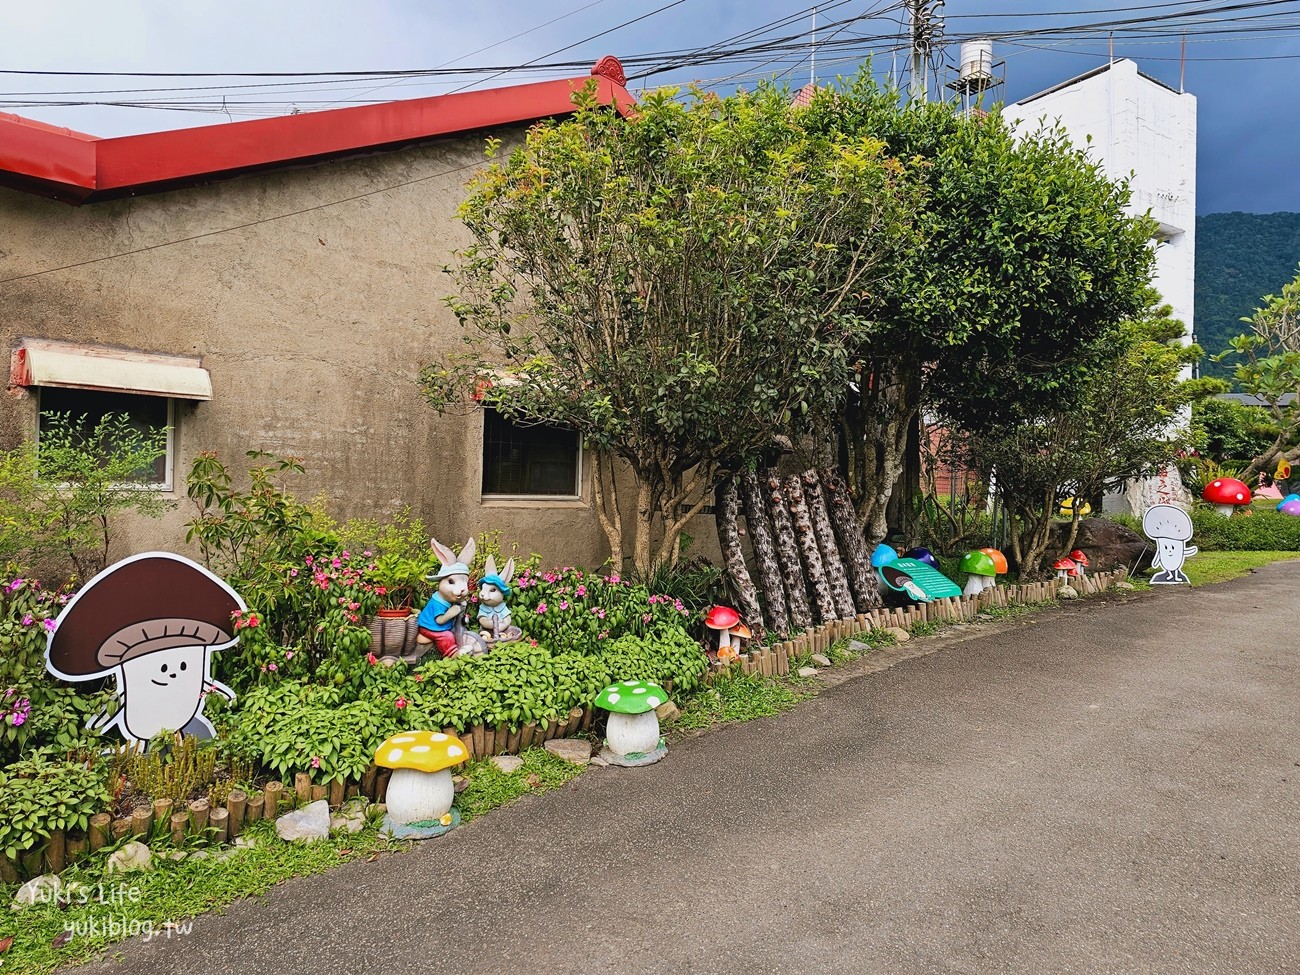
440 622
494 621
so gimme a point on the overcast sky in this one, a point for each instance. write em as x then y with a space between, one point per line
1245 82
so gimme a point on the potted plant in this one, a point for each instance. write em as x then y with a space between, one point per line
399 581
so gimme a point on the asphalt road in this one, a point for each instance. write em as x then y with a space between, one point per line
1107 789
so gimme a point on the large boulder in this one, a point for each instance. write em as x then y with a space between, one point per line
1108 544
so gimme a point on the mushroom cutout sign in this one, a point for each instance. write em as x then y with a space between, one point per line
151 622
1170 528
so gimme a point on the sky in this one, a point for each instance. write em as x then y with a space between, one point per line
1242 58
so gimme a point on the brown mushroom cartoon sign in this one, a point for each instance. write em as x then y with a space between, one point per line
151 622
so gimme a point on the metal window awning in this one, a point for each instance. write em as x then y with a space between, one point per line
48 362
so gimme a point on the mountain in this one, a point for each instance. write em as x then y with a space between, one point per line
1240 257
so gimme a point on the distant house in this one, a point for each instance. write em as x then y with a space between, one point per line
277 284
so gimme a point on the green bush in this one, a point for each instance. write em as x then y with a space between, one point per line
43 793
1261 530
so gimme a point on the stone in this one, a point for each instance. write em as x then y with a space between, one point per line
311 822
807 671
575 750
1107 543
634 759
855 646
821 660
39 890
459 784
246 842
898 633
348 822
507 763
1125 586
130 858
1065 592
668 711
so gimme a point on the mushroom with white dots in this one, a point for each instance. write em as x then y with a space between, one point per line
633 727
420 791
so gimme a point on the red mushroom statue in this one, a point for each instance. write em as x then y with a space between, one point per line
723 619
1064 567
1226 493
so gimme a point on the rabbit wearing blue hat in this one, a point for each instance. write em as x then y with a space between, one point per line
494 623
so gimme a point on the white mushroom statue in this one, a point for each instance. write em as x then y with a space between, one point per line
633 727
420 791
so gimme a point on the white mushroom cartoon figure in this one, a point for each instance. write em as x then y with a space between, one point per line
1170 527
151 622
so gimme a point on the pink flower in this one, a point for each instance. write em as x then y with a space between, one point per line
541 607
315 761
288 655
293 573
580 591
272 667
646 617
532 643
14 586
564 604
371 659
336 563
400 702
28 619
49 626
419 678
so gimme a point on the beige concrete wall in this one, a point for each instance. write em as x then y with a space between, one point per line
313 326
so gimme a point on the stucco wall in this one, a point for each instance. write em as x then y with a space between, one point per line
1140 129
312 324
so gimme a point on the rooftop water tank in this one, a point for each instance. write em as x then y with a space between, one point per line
977 62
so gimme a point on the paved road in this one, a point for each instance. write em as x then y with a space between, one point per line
1110 789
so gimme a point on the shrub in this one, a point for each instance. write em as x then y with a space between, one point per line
43 793
1253 530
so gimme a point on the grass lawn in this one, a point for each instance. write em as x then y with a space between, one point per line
1207 567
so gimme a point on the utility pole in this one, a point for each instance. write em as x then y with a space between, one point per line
924 32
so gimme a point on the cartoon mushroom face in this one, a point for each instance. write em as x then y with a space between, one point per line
633 724
1226 493
150 621
420 789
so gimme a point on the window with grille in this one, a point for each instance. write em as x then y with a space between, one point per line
529 460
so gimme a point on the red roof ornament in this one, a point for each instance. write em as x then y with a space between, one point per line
612 68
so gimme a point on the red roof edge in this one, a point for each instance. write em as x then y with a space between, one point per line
77 168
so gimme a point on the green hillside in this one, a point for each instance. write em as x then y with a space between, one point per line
1240 257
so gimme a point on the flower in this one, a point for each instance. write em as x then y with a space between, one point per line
580 591
419 678
541 607
15 585
288 655
564 604
50 624
28 619
646 617
315 761
371 659
293 573
272 667
400 702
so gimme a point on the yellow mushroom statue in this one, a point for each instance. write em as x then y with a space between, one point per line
420 790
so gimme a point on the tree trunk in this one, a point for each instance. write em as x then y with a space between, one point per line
853 544
727 500
787 551
645 514
876 427
812 556
606 504
831 557
765 560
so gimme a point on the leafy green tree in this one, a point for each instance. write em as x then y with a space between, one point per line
80 475
1270 370
1125 422
1025 260
680 286
1223 429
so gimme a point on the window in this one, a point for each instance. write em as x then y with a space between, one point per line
87 408
540 461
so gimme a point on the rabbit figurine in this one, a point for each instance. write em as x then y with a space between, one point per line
438 621
494 621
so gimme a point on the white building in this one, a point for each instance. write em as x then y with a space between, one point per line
1139 128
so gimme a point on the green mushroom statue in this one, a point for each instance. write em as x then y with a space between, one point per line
632 734
981 572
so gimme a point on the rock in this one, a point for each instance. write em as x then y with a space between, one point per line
311 822
349 822
130 858
598 762
246 842
1107 543
507 763
1125 586
459 784
1065 592
575 750
855 646
807 671
176 855
668 711
898 633
39 890
821 660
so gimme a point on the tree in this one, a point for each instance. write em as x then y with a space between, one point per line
679 286
1125 422
1025 260
1270 370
